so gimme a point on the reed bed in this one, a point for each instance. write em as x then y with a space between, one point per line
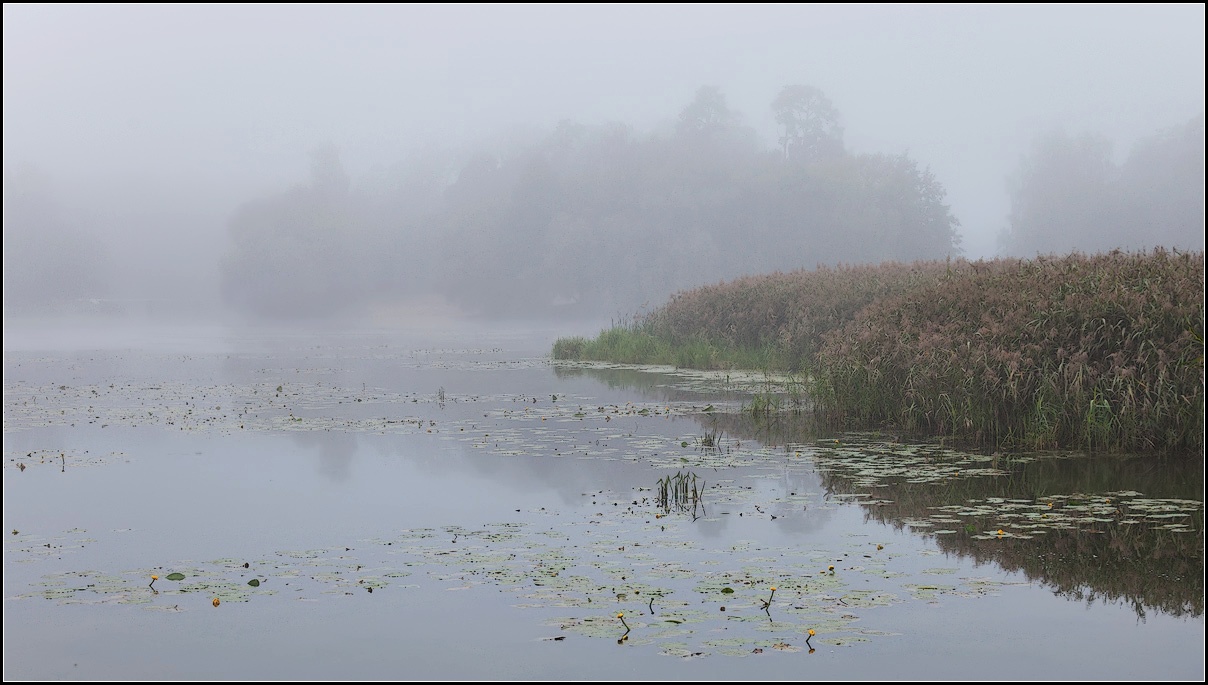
779 318
1099 352
1102 352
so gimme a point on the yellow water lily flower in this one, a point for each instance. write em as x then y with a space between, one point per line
768 602
621 615
216 602
812 633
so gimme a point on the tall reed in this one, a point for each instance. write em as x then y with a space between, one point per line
1102 352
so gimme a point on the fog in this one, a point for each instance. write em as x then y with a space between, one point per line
572 161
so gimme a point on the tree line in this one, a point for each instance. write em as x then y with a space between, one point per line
1068 194
601 220
589 220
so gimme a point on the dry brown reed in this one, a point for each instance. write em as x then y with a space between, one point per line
783 314
1102 352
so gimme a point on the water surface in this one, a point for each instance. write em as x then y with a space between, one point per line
454 505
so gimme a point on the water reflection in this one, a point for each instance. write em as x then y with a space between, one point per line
336 452
356 459
1108 555
683 493
664 386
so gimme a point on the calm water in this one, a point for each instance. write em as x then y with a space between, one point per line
452 505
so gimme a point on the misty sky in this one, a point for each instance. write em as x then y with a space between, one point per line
208 106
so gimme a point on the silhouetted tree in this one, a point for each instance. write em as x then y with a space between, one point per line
810 121
1062 196
1068 194
1162 190
589 219
50 261
911 221
304 252
706 114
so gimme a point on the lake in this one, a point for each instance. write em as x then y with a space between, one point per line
447 503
